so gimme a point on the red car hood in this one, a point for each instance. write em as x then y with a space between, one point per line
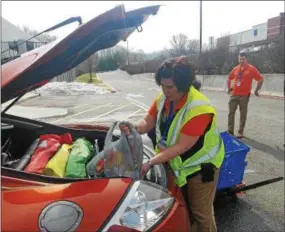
38 66
22 208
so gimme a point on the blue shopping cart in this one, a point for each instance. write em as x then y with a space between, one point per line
233 168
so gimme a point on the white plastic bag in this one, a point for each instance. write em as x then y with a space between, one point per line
122 158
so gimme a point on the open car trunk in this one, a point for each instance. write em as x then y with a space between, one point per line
37 67
23 132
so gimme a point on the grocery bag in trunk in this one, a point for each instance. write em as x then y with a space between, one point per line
56 165
48 146
46 149
123 157
63 139
80 154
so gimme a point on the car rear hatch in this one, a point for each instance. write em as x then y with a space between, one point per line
35 68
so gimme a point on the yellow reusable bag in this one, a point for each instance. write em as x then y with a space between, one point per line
56 165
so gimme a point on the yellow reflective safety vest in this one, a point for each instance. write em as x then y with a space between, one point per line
213 149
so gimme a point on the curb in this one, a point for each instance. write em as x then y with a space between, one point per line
28 98
272 96
5 104
260 95
106 86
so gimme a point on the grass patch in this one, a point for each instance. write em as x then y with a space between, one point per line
85 78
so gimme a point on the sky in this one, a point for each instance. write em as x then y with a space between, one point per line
219 17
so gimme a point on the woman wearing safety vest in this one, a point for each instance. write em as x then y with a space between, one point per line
187 139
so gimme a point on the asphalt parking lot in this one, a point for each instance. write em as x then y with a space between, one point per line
260 209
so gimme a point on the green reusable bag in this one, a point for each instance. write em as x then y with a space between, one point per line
80 155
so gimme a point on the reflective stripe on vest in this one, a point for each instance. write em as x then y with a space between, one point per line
185 109
159 108
211 154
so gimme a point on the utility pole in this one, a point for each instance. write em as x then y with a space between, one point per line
200 27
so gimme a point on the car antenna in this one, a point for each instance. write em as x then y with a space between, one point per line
64 23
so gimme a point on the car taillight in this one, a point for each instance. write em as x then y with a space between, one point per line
143 207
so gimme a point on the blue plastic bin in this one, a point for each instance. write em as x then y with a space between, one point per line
232 169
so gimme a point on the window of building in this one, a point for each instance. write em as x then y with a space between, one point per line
255 32
30 45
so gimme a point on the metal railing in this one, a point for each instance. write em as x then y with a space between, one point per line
68 76
10 50
13 53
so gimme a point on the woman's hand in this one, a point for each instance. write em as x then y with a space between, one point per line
125 129
145 168
143 126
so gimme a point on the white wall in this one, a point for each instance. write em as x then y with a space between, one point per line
235 39
261 32
273 83
248 36
242 38
10 32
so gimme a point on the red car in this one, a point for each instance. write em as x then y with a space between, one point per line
33 202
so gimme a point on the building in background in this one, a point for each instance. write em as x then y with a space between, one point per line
211 42
275 26
13 44
13 41
258 36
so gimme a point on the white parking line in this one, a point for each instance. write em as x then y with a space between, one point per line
156 89
141 114
132 114
101 115
94 108
249 171
79 106
138 103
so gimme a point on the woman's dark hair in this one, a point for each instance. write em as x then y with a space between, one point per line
179 70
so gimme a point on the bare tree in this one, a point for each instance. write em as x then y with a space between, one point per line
123 54
119 53
91 64
218 56
88 66
193 46
141 55
275 54
224 42
179 44
137 56
42 38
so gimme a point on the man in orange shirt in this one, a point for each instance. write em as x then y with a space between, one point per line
242 76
